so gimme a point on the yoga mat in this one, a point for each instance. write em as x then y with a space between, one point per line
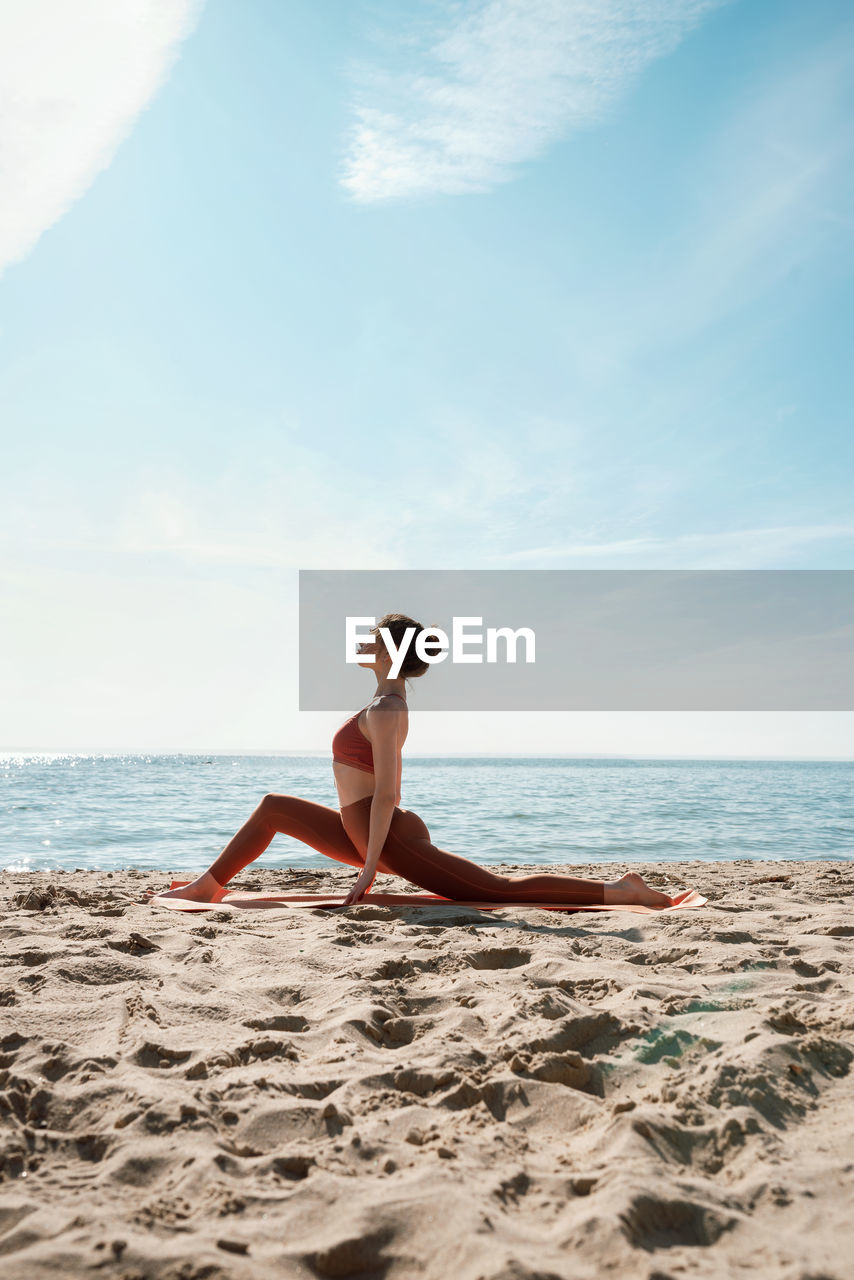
236 901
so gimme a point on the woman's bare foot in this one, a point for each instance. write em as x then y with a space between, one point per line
202 889
632 890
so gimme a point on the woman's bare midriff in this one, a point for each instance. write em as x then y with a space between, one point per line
352 784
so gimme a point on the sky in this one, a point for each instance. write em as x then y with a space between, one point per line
503 284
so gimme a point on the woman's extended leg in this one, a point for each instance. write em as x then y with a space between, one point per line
316 825
409 852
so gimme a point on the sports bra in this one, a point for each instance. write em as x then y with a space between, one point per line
350 746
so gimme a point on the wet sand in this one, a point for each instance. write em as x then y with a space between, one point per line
504 1095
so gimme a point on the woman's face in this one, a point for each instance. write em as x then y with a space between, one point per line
376 647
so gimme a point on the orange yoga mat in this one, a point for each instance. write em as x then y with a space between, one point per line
236 901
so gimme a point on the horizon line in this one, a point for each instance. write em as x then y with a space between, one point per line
443 755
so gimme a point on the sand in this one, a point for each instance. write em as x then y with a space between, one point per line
439 1092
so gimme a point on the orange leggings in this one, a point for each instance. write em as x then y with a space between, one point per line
408 852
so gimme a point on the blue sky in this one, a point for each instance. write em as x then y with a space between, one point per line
391 285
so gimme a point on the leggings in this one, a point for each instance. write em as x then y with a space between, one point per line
408 852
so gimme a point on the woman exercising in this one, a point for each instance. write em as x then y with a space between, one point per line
371 832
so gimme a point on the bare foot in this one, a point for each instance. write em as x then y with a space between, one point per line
632 890
203 889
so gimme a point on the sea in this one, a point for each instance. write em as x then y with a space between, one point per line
174 813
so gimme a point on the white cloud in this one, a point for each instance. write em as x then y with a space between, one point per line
500 82
74 76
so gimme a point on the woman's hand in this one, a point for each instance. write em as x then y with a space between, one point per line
360 888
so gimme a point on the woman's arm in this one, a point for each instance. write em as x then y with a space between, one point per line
385 724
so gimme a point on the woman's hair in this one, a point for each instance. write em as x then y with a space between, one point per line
396 624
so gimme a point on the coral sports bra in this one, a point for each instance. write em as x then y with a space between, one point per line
350 746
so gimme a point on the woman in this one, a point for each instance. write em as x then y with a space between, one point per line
371 832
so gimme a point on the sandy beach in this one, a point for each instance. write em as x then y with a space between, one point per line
505 1095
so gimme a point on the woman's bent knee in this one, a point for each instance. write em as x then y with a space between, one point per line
271 802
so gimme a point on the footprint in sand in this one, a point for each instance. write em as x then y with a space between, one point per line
498 958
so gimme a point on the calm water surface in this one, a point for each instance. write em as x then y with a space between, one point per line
174 813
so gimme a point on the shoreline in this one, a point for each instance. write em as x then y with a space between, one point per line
499 1094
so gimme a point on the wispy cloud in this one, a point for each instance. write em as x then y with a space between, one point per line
772 182
301 516
733 549
495 84
767 197
73 79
